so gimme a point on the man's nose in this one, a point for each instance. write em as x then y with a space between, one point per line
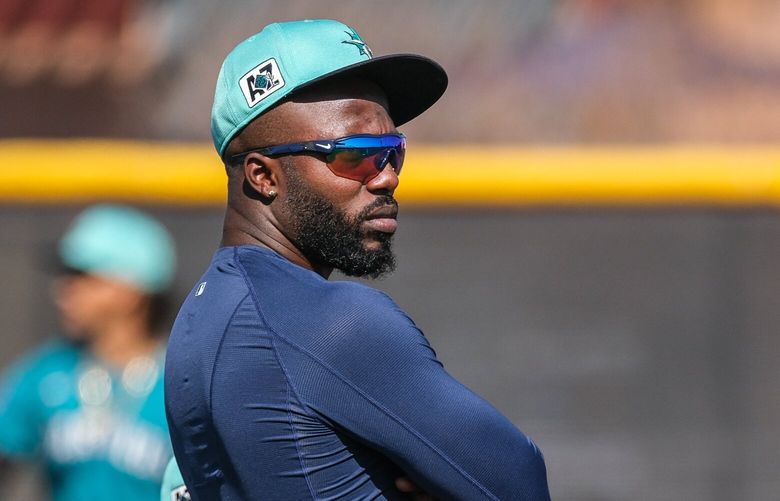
385 181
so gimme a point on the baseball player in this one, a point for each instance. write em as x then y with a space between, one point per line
281 384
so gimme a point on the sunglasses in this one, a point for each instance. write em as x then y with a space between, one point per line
360 157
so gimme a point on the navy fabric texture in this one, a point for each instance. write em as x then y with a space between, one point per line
283 385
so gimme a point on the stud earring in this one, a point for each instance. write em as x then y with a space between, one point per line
272 194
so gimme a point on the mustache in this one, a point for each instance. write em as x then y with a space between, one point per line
381 201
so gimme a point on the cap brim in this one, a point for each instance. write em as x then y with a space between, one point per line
412 83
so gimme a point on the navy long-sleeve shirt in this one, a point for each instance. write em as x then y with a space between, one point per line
283 385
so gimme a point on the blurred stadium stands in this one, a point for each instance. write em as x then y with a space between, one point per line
637 345
521 70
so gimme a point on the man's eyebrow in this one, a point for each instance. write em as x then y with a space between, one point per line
360 119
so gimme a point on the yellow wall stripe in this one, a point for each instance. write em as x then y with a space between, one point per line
52 171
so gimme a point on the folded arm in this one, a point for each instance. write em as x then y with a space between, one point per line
383 385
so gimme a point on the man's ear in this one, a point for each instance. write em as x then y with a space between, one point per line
262 176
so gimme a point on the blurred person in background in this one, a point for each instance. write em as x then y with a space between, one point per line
89 405
173 487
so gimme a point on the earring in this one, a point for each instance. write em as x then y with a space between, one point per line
271 194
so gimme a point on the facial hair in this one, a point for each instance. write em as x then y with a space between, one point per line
328 237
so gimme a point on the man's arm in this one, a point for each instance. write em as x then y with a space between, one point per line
382 384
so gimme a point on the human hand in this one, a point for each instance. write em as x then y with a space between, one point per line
406 486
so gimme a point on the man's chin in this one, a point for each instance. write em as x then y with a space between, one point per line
375 260
75 333
372 244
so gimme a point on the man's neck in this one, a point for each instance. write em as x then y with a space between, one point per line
239 230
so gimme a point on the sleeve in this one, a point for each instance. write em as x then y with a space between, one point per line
378 379
20 416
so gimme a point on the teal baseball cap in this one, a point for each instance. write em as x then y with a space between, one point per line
120 243
285 57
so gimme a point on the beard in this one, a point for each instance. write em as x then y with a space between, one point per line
328 237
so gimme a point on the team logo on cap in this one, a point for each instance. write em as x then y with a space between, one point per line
354 39
261 81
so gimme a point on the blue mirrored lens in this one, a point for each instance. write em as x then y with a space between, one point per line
387 147
362 157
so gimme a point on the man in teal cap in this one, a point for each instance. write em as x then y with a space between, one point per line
282 384
89 405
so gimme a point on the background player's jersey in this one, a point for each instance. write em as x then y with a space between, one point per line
100 434
283 385
173 488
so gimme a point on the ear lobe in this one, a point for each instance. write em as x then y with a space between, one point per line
260 174
257 173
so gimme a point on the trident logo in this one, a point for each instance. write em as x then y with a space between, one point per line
354 39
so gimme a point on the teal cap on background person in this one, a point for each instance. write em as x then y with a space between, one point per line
284 57
122 243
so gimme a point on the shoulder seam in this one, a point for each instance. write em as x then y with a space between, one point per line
291 389
219 349
290 386
249 287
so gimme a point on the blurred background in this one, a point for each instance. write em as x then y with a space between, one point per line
591 232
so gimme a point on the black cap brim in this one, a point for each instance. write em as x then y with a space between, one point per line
412 83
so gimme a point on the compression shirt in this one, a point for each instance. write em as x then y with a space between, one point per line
282 385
